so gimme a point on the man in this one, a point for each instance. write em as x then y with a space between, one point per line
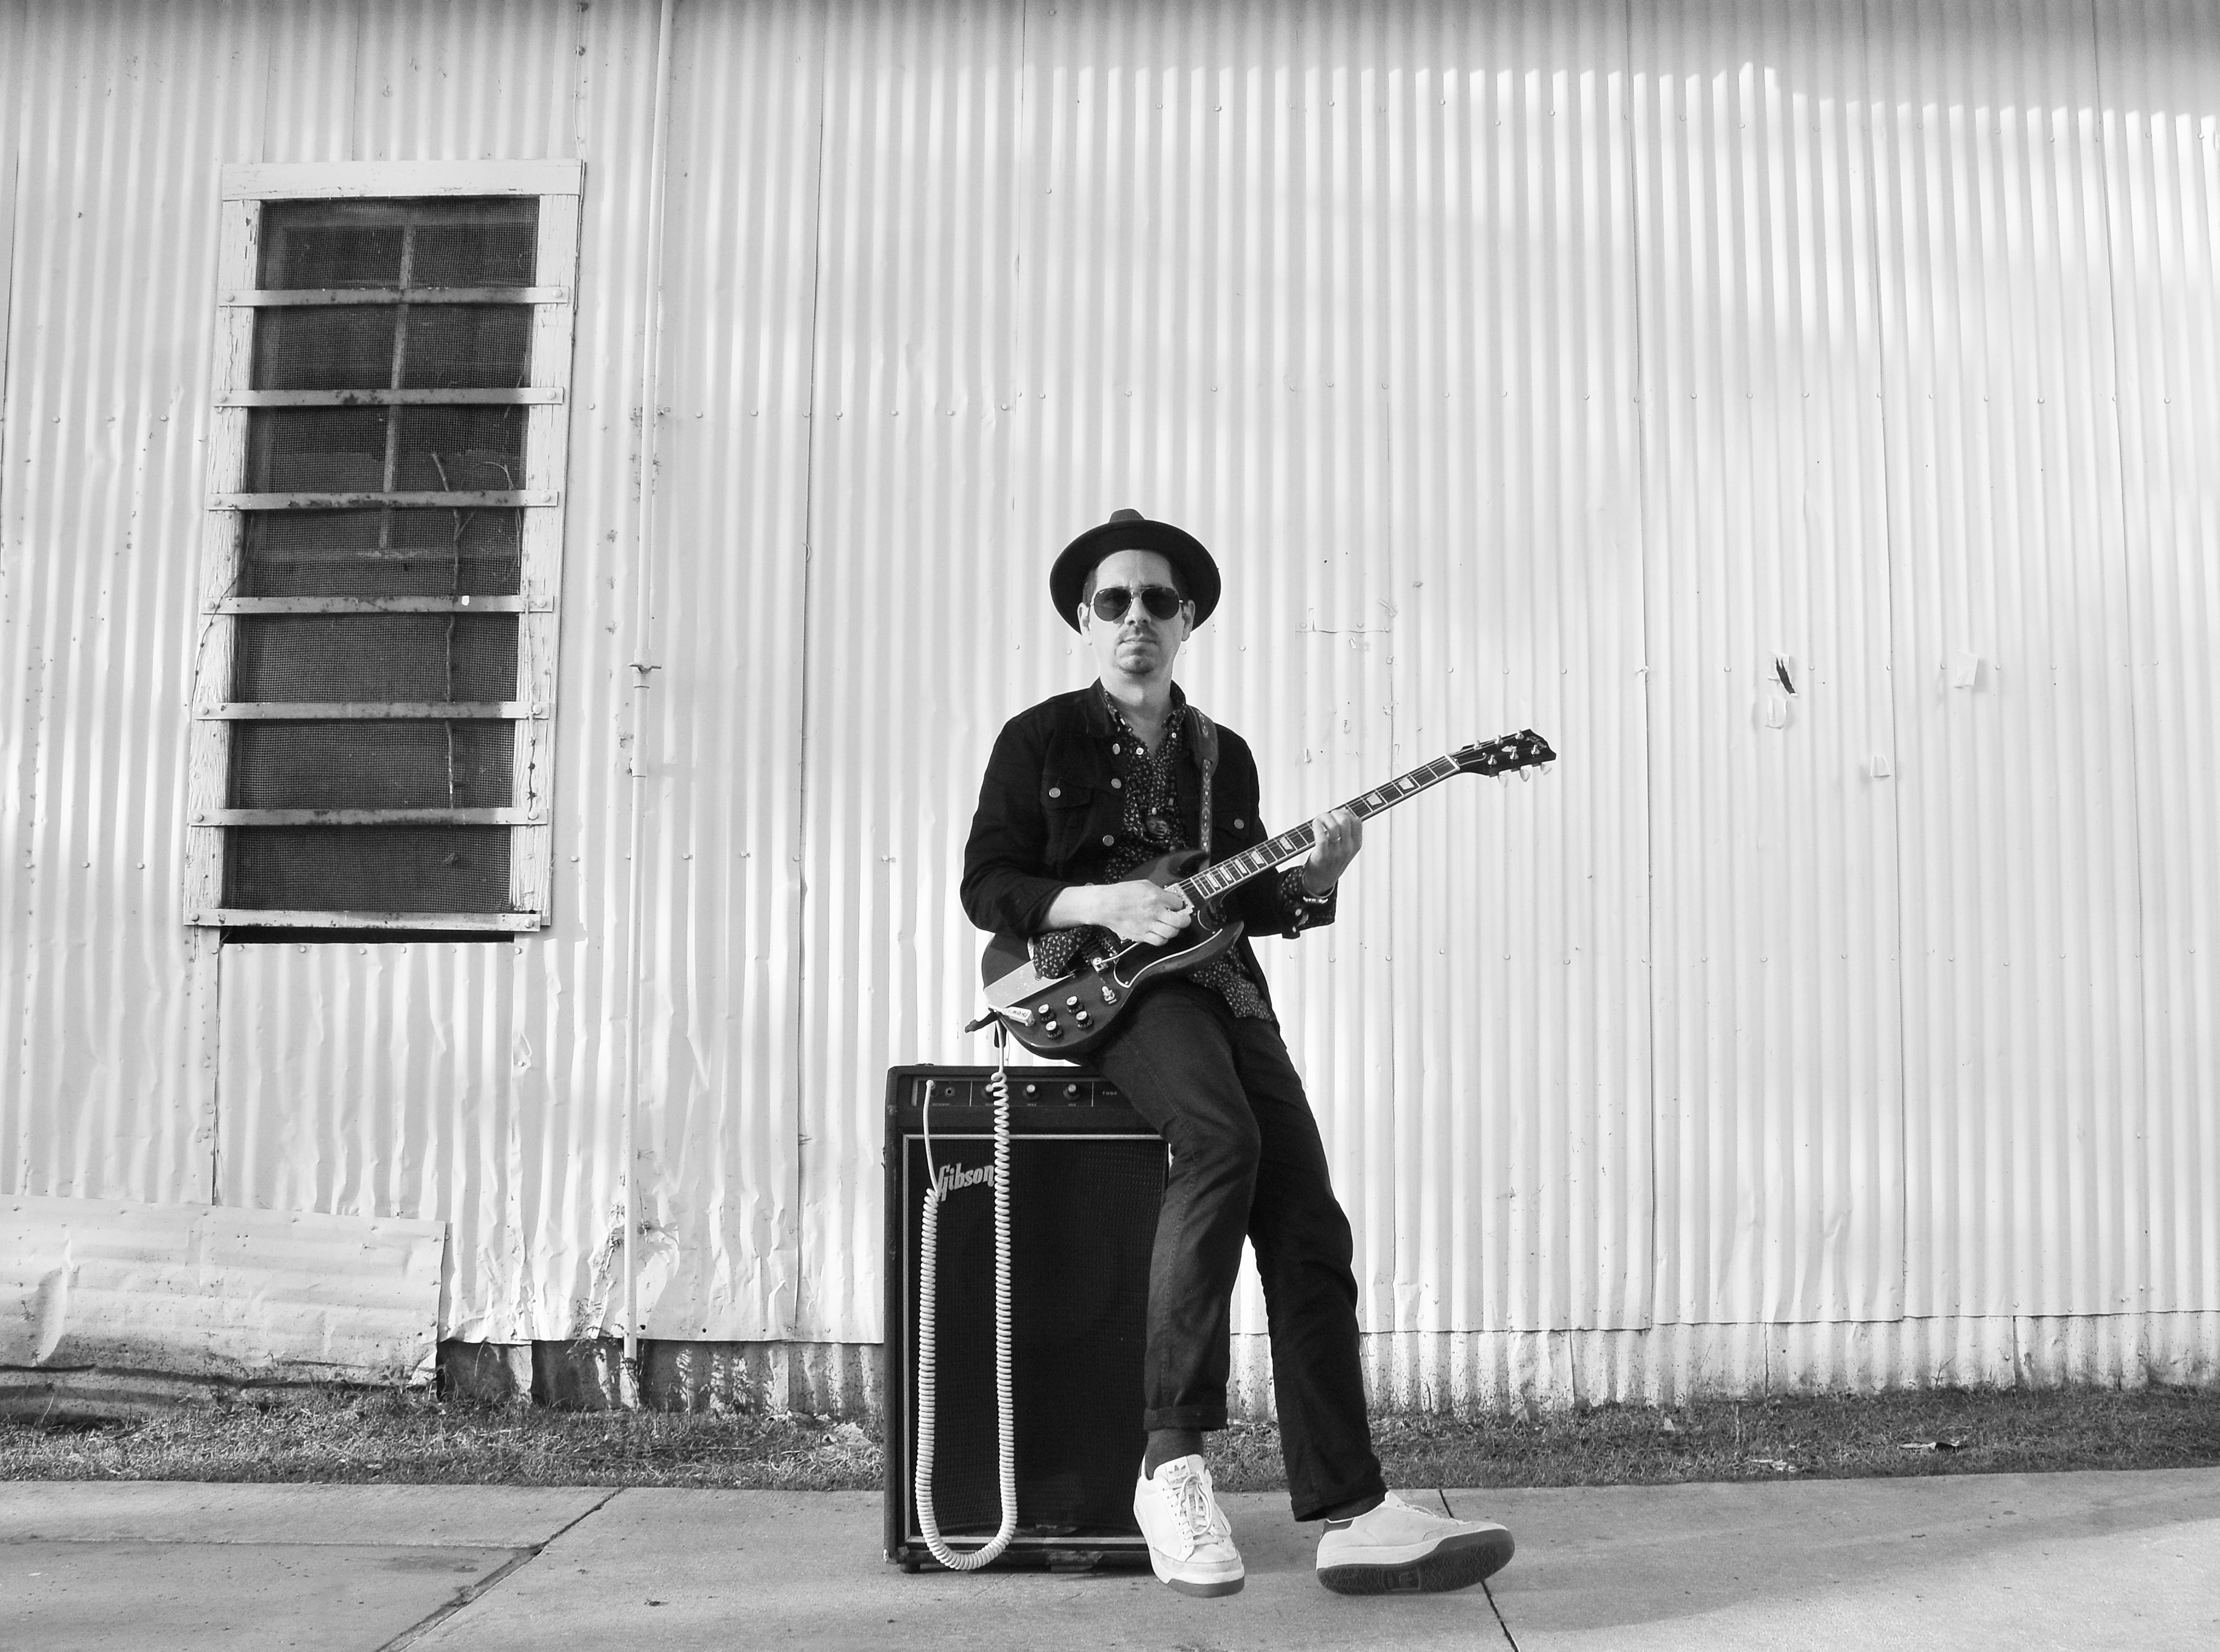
1080 791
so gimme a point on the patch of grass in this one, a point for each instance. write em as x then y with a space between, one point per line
401 1437
1935 1431
405 1437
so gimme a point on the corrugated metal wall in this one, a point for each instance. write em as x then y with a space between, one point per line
2156 78
1773 845
1797 411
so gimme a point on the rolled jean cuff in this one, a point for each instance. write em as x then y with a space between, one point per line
1203 1418
1319 1507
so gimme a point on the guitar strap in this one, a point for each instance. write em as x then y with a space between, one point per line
1206 748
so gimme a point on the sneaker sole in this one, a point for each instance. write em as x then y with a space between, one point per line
1203 1586
1456 1563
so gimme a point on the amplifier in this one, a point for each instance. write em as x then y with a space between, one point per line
1086 1175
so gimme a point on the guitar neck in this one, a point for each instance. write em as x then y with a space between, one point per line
1214 881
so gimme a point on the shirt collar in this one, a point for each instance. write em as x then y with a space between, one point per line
1105 719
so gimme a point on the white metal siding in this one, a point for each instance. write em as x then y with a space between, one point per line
1548 365
1778 1101
2159 75
2025 1094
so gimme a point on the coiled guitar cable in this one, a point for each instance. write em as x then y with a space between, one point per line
998 1087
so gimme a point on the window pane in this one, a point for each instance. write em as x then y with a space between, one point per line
491 244
346 348
331 244
387 765
367 869
423 553
448 345
458 449
438 450
410 658
350 347
341 451
474 241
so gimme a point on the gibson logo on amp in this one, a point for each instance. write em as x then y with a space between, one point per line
954 1179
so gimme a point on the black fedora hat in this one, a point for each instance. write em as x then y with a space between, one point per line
1128 530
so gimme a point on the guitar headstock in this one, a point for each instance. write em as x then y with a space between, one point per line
1525 750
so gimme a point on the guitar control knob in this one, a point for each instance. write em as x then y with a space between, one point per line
1109 994
1080 1016
1047 1009
1053 1030
1072 1002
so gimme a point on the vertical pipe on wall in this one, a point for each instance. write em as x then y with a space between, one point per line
643 668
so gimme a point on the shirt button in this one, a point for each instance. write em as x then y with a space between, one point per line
1117 785
1056 791
1108 840
1237 824
1113 748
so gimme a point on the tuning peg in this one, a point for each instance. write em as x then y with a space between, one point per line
1526 774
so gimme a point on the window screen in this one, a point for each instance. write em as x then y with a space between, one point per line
374 716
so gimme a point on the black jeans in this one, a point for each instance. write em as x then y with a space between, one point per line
1246 1161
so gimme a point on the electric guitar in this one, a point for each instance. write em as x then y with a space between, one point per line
1069 1014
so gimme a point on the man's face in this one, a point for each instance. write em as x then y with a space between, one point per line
1134 646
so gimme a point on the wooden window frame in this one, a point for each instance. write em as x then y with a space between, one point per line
558 185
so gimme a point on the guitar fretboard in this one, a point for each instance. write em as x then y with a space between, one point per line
1214 881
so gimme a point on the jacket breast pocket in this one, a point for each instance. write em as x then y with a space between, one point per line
1232 829
1067 806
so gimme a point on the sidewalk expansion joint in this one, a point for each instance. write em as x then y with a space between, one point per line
470 1591
1441 1495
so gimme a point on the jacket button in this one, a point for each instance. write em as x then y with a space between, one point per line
1108 840
1237 824
1056 791
1117 785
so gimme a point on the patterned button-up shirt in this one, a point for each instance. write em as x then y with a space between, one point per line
1150 827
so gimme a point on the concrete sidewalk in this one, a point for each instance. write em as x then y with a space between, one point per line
2067 1561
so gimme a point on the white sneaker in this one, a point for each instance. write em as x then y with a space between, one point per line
1190 1540
1399 1550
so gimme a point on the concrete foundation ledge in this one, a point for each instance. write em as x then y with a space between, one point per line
1476 1373
587 1374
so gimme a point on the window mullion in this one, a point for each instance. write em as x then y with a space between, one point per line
392 471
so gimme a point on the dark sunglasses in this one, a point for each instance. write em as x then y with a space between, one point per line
1159 602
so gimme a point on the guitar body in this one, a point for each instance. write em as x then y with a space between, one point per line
1069 1016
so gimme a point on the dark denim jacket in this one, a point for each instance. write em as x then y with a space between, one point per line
1048 816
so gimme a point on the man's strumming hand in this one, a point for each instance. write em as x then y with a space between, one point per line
1134 911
